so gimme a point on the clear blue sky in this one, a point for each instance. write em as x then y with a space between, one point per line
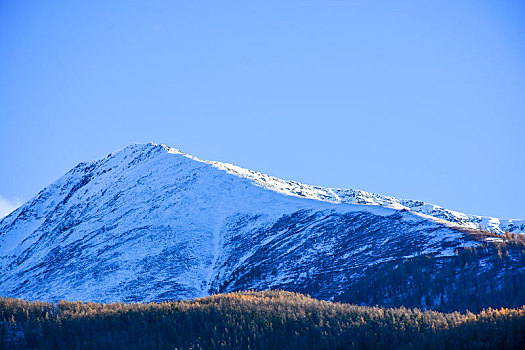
419 99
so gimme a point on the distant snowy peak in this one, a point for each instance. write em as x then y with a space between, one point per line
337 195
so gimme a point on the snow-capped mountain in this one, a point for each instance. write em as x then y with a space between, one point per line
152 223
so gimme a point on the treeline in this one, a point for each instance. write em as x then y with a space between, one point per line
488 275
251 320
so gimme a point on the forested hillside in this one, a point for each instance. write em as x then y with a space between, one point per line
251 320
474 278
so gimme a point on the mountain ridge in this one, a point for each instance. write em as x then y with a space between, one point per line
150 223
342 195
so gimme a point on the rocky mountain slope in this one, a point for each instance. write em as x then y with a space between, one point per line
151 223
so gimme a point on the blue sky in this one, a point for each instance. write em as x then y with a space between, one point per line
421 99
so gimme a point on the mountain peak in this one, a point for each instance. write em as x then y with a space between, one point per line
141 151
150 222
353 196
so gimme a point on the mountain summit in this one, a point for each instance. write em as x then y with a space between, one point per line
151 223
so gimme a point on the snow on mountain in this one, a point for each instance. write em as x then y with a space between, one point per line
338 195
152 223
